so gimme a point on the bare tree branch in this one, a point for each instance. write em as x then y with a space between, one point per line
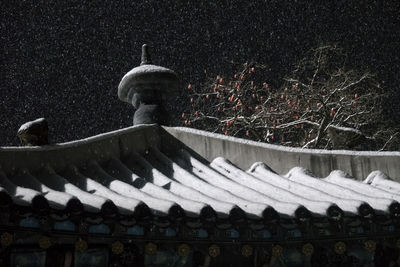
318 94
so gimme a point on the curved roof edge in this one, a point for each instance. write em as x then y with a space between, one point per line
284 148
74 143
243 153
99 148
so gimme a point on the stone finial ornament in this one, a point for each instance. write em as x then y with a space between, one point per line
147 88
146 59
34 133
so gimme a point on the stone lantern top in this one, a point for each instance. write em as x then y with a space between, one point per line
147 78
147 88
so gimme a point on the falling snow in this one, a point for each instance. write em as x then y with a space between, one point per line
63 61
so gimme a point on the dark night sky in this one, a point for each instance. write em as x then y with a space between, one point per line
63 60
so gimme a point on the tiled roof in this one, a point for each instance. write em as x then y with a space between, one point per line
165 179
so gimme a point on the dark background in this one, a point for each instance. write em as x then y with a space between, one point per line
63 60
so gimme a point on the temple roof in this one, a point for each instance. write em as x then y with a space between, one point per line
143 171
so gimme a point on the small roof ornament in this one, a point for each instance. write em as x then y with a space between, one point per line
146 59
148 85
34 133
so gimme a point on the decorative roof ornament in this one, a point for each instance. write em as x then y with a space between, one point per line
147 88
34 133
146 59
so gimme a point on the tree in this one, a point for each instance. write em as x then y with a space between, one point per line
319 105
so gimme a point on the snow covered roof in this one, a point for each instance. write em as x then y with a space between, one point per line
143 171
359 164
